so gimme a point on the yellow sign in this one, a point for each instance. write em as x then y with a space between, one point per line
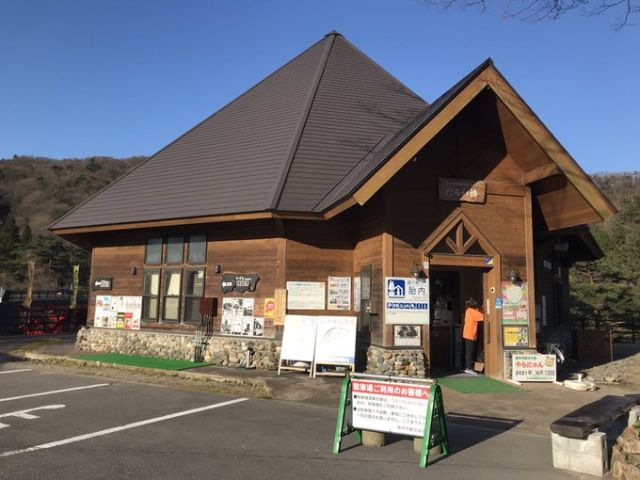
516 336
269 308
281 306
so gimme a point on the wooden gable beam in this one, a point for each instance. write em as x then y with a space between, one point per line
539 173
539 132
419 140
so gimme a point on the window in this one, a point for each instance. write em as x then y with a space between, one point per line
150 294
164 296
153 251
197 249
171 302
175 249
194 291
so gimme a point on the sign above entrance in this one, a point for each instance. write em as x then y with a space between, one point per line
406 300
460 190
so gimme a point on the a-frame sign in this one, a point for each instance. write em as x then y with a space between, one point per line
393 405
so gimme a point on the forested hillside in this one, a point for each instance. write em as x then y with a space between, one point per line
606 293
33 193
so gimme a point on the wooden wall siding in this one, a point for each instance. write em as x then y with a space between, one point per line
116 262
561 204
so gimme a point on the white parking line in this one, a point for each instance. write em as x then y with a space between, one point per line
128 426
16 371
51 392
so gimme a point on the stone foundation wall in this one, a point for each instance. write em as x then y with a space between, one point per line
401 363
222 351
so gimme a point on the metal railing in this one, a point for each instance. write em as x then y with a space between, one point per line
203 334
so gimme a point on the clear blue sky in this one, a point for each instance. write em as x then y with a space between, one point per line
120 78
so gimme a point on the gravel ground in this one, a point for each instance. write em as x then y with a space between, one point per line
625 371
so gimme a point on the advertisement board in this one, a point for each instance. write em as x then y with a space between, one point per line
120 312
533 368
406 300
336 340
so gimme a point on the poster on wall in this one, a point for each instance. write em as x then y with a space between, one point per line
269 310
339 293
237 316
533 368
406 300
515 303
298 338
306 295
335 340
120 312
407 336
515 336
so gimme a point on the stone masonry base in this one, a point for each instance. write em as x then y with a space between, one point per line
401 363
222 351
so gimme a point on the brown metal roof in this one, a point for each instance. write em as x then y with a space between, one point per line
283 145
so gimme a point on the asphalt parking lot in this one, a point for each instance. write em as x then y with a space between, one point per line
55 426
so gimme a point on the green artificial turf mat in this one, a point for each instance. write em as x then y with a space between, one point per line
140 361
479 384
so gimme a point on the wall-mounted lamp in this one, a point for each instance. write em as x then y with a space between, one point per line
134 270
415 271
513 275
217 268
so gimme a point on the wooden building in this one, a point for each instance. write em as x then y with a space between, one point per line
330 167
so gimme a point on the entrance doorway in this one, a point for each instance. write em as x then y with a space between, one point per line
450 287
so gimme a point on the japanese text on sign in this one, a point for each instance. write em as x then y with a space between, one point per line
534 368
389 407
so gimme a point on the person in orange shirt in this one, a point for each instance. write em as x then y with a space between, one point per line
472 315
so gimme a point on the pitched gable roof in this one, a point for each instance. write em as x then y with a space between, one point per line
282 145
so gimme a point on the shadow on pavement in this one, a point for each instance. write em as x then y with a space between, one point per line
465 430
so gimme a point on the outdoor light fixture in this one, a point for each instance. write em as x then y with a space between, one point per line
415 271
134 270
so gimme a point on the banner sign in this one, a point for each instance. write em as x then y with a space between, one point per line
406 300
389 407
336 340
306 295
515 303
299 337
533 368
118 312
102 283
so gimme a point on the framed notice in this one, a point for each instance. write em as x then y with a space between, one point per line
533 368
280 297
407 335
515 303
406 301
120 312
389 407
460 190
306 295
299 338
514 336
339 293
336 340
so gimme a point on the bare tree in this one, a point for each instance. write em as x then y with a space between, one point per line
537 10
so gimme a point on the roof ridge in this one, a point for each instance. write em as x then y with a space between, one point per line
277 194
224 107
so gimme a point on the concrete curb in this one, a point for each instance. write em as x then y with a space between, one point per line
205 377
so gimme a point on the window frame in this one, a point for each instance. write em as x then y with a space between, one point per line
186 296
167 275
188 245
167 248
146 251
156 297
